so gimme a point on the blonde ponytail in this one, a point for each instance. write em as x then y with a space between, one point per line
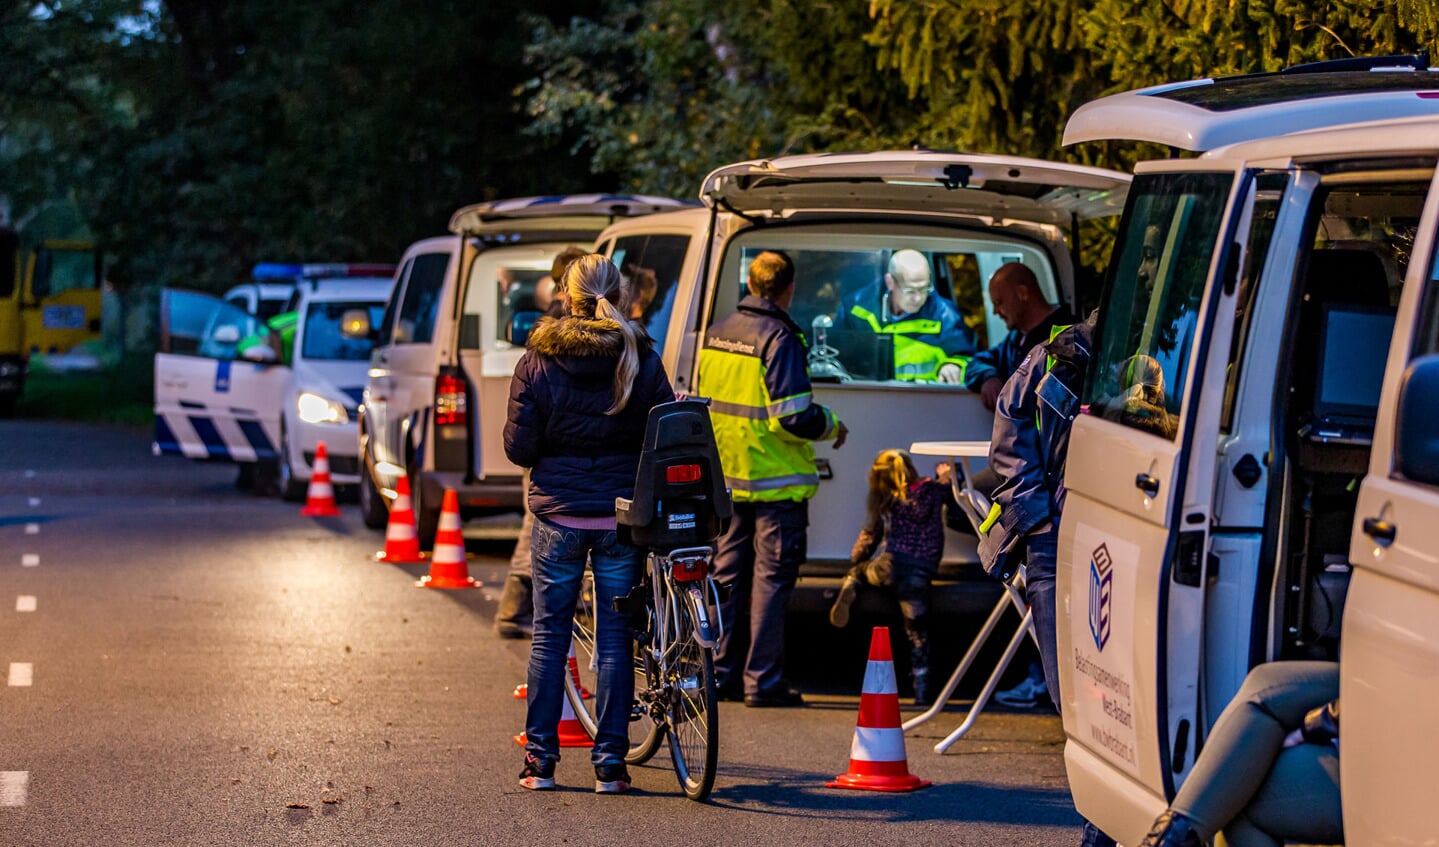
595 287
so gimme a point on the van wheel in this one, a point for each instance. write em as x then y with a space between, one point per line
293 490
427 515
245 479
372 506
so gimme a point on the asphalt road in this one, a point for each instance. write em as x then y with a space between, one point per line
189 665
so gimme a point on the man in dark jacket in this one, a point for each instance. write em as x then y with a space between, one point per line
931 340
1017 298
1028 450
753 369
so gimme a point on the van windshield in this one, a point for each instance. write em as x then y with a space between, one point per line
323 339
856 323
1152 298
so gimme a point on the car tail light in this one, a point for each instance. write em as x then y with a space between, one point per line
682 473
451 402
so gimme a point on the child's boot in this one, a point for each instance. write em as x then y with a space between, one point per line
839 612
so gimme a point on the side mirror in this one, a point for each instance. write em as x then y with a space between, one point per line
355 323
262 354
1417 433
226 334
520 326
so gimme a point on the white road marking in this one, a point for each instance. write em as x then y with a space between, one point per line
32 529
34 501
30 560
13 787
22 674
26 603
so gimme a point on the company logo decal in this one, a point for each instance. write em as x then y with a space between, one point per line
1101 591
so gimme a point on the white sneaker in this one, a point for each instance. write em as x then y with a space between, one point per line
1025 695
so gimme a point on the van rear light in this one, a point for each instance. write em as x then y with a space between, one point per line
452 407
682 473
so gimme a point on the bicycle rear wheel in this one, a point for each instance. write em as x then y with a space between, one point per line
581 683
693 714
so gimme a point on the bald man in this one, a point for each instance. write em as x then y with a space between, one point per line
1017 299
931 341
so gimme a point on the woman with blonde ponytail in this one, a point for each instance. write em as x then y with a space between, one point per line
579 401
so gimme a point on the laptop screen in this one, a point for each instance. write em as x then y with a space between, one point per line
1351 371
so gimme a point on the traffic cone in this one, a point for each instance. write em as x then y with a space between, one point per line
320 497
402 541
448 568
876 758
572 732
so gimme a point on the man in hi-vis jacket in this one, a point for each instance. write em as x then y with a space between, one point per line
752 368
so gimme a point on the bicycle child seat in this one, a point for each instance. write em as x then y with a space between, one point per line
680 496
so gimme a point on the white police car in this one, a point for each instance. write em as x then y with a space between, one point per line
212 403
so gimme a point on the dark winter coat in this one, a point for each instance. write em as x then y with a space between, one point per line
1002 360
1030 444
580 458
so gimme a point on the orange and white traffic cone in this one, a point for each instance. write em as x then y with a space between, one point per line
320 497
876 758
572 732
402 541
448 567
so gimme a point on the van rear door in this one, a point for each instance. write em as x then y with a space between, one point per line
1134 537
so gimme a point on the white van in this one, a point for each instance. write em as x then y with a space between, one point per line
439 381
1285 286
840 217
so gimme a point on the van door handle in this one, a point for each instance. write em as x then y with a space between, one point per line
1148 483
1382 531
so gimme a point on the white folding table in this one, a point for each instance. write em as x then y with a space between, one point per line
975 507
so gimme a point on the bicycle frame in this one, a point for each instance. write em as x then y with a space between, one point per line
699 597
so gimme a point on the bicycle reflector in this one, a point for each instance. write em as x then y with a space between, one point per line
689 570
675 474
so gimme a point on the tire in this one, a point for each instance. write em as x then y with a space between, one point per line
693 716
291 489
373 510
645 733
245 479
427 515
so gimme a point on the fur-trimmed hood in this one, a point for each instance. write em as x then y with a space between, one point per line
573 337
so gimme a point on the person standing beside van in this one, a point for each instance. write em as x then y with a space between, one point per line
931 340
579 402
515 616
1032 421
752 368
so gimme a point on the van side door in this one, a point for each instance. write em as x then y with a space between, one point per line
1389 665
1134 533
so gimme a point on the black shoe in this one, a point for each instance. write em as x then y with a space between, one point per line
730 693
612 779
538 775
1171 829
782 698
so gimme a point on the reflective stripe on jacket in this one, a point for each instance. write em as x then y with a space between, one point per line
1030 444
752 368
923 342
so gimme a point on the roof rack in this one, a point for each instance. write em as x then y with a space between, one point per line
1414 61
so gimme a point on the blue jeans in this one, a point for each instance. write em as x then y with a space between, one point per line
559 554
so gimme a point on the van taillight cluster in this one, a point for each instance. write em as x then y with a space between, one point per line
451 403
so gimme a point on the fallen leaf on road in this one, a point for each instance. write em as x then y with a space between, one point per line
334 701
272 754
297 805
330 801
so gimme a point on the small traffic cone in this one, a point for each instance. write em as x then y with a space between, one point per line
320 497
876 758
448 568
522 691
402 541
572 732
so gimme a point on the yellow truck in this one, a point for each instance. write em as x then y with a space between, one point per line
49 303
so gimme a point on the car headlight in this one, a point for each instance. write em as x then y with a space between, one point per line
316 409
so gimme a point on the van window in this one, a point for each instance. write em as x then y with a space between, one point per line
422 299
387 323
1269 192
520 302
323 339
1152 299
651 265
842 303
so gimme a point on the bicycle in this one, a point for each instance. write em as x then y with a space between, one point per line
680 506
